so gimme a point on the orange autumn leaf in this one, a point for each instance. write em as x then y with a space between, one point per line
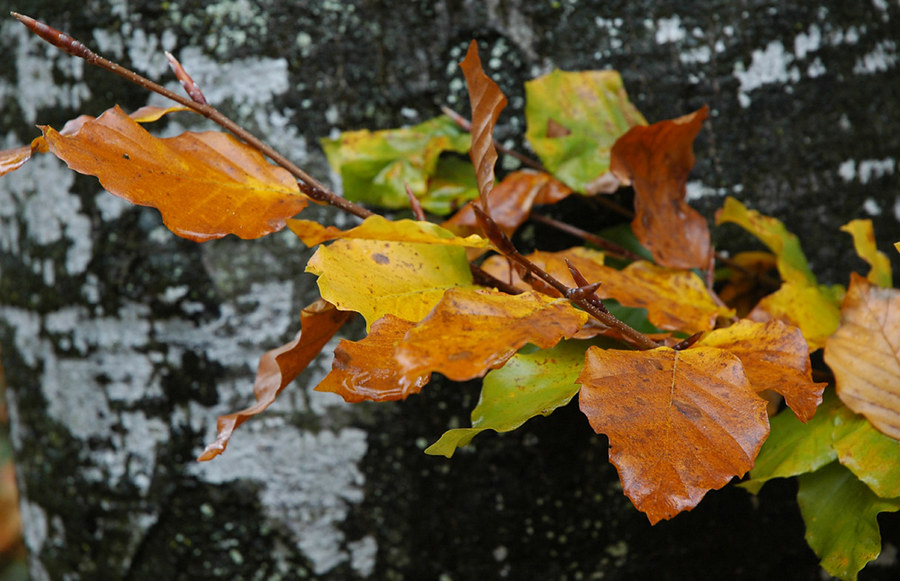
365 370
205 185
676 300
487 101
775 357
657 159
864 354
13 159
280 366
510 202
472 331
680 423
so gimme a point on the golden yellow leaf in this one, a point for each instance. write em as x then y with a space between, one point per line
379 228
803 306
775 357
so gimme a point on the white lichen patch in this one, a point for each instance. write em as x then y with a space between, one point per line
882 58
768 66
669 30
310 482
40 65
867 170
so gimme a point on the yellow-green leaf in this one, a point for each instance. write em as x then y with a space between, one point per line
573 119
377 277
841 516
375 167
792 263
872 456
530 384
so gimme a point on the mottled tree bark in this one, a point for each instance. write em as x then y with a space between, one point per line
122 343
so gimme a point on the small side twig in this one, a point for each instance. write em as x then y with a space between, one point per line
308 184
414 203
609 247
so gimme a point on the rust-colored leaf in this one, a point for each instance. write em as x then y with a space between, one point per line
679 423
366 370
864 354
13 159
487 101
657 160
511 201
474 330
280 366
776 358
205 185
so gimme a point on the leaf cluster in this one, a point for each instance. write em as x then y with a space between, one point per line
678 354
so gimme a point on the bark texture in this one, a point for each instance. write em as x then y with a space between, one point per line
122 343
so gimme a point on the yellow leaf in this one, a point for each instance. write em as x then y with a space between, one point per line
864 242
864 354
377 277
803 306
379 228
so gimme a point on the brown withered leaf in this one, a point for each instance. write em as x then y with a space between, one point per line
280 366
205 185
487 102
472 331
365 370
775 357
864 354
680 423
676 300
510 203
657 160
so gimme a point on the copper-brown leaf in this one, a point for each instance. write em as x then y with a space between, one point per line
511 201
472 331
280 366
487 102
864 354
657 160
366 370
205 185
679 423
776 358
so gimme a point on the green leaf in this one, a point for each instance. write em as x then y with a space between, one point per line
841 513
794 447
375 167
574 118
530 384
792 263
452 185
377 277
873 457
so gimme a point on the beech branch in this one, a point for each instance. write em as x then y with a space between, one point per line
308 184
583 295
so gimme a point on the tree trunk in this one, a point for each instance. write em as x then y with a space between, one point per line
122 343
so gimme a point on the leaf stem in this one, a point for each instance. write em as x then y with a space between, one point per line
308 184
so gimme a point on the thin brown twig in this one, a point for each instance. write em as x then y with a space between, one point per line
609 247
466 125
308 184
506 247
